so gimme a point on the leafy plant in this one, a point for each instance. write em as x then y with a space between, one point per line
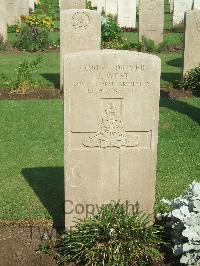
111 33
14 28
32 39
149 44
139 46
113 237
185 223
23 74
26 68
110 30
191 81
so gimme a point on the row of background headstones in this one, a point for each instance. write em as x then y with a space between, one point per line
11 12
120 7
151 16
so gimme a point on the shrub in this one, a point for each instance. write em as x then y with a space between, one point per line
113 237
139 46
179 28
149 45
111 34
23 75
191 81
32 39
185 223
110 30
41 21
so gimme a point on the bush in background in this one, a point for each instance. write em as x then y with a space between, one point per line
32 39
113 237
191 81
23 79
111 34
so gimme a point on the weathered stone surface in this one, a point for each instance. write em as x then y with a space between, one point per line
94 3
101 5
196 4
192 40
24 7
171 7
11 12
32 5
180 7
72 4
151 20
111 7
3 19
127 13
79 30
111 105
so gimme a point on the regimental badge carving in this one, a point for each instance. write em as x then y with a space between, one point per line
80 20
198 24
111 132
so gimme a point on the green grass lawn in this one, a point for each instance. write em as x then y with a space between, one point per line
47 72
31 157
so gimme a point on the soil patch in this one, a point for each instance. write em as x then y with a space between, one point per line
19 245
51 93
33 94
175 93
20 242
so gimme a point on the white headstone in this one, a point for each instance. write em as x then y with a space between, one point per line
192 40
12 12
3 19
151 20
127 13
196 4
80 30
32 5
171 7
101 5
111 7
111 110
180 7
72 4
24 8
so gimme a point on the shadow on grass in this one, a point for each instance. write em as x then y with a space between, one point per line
171 77
182 107
48 185
178 62
53 78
